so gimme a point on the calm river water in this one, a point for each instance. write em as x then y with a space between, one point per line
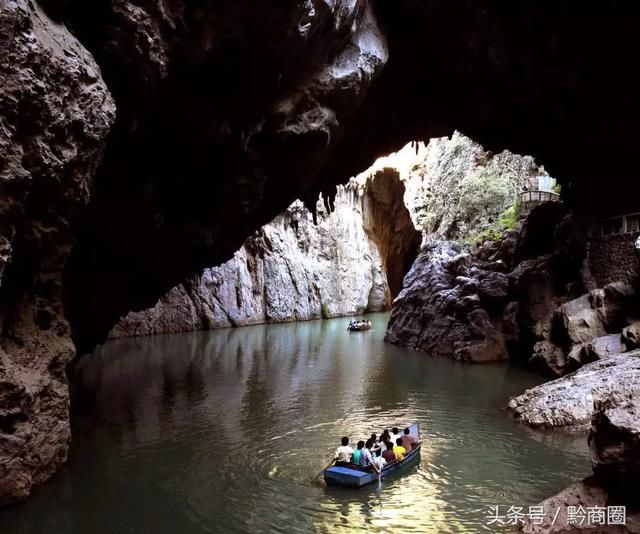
224 432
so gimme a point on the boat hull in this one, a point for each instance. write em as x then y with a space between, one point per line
348 477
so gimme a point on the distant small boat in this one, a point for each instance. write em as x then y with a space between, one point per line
356 477
359 326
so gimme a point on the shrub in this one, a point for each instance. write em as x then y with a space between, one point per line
507 220
324 311
483 192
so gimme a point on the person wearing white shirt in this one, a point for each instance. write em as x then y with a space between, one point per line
343 453
366 458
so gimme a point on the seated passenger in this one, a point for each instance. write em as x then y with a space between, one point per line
343 453
408 441
395 434
399 450
366 458
355 459
377 446
380 462
388 454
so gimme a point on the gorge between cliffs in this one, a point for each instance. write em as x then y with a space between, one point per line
196 198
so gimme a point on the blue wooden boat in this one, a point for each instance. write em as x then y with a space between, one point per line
355 477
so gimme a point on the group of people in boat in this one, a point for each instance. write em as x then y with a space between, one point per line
377 451
361 324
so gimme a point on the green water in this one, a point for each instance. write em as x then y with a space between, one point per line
224 431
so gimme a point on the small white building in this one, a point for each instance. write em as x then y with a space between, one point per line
546 183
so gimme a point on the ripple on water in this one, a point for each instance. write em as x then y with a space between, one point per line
225 431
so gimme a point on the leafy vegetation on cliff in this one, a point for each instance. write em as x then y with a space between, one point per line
507 220
483 192
458 191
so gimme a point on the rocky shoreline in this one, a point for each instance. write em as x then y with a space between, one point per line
567 403
614 441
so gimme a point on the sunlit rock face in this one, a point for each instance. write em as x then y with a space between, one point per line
453 302
355 259
352 261
55 113
568 402
457 189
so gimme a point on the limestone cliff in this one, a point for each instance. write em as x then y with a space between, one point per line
458 189
227 111
293 269
354 260
454 298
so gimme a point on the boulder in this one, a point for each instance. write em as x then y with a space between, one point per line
567 403
575 358
602 347
587 494
548 358
580 320
631 336
493 288
617 302
614 441
450 306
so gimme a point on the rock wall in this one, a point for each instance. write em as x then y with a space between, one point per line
475 303
230 110
354 261
611 409
226 113
614 259
55 113
349 263
457 189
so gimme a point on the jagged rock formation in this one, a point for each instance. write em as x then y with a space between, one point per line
355 260
568 402
223 120
458 189
55 113
498 298
446 307
293 269
614 440
228 112
545 316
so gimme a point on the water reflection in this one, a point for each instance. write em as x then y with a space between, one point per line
224 431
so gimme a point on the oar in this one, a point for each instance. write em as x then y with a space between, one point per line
324 469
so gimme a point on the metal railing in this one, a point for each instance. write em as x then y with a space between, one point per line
621 224
539 196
